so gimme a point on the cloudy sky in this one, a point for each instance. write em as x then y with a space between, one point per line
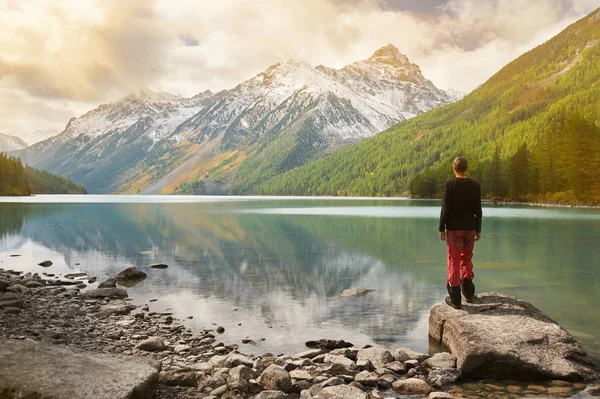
61 58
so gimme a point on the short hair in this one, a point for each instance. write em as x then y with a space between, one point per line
460 165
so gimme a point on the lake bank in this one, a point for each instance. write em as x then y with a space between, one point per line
196 365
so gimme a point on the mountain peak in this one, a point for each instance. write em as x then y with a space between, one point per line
389 55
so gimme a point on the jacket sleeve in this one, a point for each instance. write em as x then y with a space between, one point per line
445 210
478 211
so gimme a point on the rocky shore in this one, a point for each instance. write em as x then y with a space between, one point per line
198 365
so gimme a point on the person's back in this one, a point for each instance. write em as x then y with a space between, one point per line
460 227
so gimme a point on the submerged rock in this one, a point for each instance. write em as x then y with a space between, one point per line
498 336
45 263
159 266
109 283
354 292
328 344
130 276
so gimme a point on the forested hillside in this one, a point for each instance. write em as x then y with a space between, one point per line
530 132
16 179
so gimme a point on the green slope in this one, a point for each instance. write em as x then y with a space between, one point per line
521 130
16 179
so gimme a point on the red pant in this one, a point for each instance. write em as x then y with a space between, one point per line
460 245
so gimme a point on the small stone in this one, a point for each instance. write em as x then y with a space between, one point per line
118 293
151 344
439 378
220 329
354 292
109 283
309 354
219 391
328 344
411 386
442 360
12 310
131 273
366 378
365 364
159 266
272 395
440 395
45 263
410 364
404 354
181 348
92 280
276 378
378 356
593 390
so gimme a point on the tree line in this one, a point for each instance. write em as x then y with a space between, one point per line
562 165
19 180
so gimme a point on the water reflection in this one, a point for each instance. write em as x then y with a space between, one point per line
277 266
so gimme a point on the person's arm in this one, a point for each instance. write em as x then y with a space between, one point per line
478 213
444 212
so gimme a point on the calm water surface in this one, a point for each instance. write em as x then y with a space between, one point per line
276 266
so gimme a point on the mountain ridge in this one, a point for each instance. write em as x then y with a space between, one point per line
530 117
279 119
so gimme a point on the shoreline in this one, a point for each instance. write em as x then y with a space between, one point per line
198 365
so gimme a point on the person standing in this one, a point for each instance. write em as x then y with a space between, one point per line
460 227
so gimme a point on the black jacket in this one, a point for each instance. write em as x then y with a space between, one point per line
461 205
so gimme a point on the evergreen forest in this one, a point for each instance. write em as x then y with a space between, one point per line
17 179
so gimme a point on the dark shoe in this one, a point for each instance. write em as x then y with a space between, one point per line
454 299
468 289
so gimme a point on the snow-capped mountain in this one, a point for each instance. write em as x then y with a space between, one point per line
11 143
39 135
275 121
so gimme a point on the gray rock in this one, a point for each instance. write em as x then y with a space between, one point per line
411 386
3 286
593 390
501 337
329 344
272 395
184 378
442 360
396 367
331 382
33 284
378 356
337 392
73 275
276 378
341 360
236 359
219 391
354 292
411 364
109 283
365 364
12 303
45 263
439 378
440 395
404 354
131 273
151 344
41 370
366 378
301 375
117 293
116 308
310 354
238 378
12 310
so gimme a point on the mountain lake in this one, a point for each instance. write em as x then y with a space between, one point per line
271 269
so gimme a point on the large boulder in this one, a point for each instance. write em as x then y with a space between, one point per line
39 370
498 336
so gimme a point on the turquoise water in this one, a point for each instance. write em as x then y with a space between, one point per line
276 266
